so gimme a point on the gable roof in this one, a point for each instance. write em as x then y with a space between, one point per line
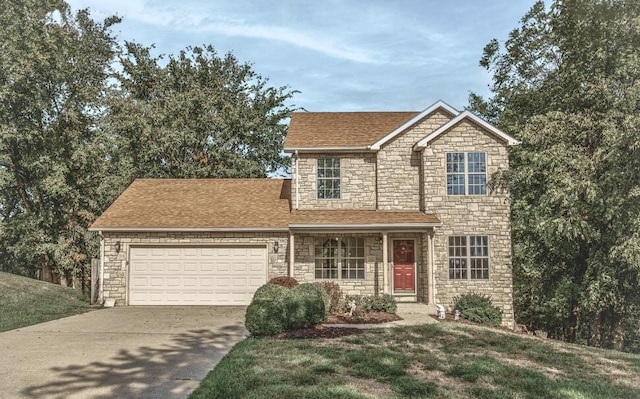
466 115
437 106
199 205
341 130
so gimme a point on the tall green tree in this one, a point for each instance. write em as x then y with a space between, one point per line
567 83
198 115
54 71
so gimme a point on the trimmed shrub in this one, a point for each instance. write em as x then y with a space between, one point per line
478 308
379 303
271 292
334 293
275 309
307 306
266 317
287 282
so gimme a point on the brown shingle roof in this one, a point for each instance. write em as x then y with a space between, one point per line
200 203
361 217
342 129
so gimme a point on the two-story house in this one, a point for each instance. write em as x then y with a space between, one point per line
381 202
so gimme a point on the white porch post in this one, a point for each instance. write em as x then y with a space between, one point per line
292 252
430 297
385 263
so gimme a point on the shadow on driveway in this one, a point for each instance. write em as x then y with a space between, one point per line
166 371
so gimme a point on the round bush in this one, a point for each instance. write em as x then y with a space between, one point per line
266 317
308 306
271 292
478 308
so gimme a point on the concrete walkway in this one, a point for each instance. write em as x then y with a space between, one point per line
412 314
122 352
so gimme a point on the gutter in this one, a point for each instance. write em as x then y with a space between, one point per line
297 180
370 226
188 229
329 149
101 293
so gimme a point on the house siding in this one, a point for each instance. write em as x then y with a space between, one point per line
116 264
399 166
357 182
470 215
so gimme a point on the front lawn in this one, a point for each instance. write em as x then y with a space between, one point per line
25 301
445 360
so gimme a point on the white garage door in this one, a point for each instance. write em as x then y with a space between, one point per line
195 275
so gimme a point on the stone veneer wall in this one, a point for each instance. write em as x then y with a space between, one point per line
116 264
357 182
305 264
374 279
470 215
399 166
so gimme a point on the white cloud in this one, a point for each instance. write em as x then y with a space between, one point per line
323 45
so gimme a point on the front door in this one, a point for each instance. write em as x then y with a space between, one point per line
404 266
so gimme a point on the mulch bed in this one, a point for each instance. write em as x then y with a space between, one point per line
367 318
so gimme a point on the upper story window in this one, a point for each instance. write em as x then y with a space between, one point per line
328 178
466 173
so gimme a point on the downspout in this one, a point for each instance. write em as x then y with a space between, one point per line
297 177
101 293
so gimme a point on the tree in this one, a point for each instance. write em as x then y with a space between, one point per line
567 84
198 115
54 71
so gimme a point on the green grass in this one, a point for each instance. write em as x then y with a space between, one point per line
432 361
25 301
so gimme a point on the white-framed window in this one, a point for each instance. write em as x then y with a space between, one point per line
328 177
468 257
339 258
466 173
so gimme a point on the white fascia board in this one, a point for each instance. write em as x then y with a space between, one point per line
422 144
437 105
326 149
189 229
367 226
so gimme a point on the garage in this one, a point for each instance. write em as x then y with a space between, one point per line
190 275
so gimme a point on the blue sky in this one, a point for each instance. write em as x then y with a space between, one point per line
341 55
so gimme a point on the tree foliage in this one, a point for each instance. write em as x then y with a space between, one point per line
198 115
566 83
81 116
53 76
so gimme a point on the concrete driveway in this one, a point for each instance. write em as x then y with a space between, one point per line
122 352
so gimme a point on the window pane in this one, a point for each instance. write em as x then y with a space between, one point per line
328 178
455 184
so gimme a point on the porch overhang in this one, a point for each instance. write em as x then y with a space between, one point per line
361 221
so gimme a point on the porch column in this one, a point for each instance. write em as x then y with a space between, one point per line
430 296
385 263
292 252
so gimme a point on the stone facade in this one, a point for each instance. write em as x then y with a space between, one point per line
399 185
486 215
116 263
357 182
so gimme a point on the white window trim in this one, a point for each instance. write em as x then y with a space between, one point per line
339 260
339 179
466 173
469 257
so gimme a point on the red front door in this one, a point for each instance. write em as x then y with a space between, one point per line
403 266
